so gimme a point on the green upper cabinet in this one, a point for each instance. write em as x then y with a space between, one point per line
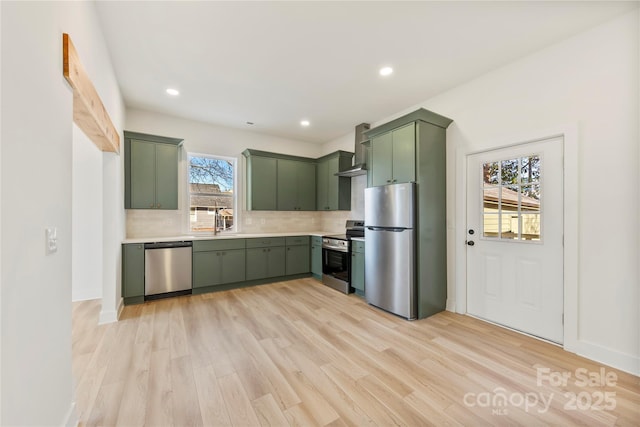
333 192
280 182
290 183
262 175
296 185
151 171
392 156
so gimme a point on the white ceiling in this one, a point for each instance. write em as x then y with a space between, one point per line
276 63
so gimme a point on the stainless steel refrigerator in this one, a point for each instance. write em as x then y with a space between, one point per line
390 236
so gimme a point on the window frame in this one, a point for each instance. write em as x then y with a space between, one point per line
236 213
499 214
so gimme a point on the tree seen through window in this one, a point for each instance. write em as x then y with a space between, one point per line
211 193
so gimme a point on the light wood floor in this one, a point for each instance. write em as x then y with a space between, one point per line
298 353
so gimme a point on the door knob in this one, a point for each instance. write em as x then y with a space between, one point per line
470 242
471 231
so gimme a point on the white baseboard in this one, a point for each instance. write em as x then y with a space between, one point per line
111 315
71 419
107 317
120 308
623 361
451 305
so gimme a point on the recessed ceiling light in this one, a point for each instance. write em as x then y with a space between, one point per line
386 71
173 92
305 123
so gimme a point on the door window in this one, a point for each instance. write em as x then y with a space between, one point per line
511 199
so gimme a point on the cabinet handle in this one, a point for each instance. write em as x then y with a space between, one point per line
388 180
151 206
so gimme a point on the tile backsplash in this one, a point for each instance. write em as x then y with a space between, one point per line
152 223
149 222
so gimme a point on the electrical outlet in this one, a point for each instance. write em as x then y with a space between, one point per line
51 240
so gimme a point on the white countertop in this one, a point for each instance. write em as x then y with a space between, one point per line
191 237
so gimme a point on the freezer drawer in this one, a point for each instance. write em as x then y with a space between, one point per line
390 270
166 269
390 205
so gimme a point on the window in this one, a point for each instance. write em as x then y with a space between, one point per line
211 193
511 199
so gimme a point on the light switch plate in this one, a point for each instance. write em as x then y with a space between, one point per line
51 239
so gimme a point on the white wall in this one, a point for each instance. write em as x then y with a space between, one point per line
86 213
203 138
592 81
36 192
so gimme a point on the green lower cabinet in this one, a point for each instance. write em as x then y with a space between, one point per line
263 263
316 257
357 267
133 270
215 268
298 259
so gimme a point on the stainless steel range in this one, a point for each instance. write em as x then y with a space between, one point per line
336 257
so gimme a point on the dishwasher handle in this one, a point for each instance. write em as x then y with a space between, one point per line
168 245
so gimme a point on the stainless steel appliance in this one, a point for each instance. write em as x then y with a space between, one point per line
167 268
359 162
336 257
390 220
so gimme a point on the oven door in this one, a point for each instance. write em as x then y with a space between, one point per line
335 269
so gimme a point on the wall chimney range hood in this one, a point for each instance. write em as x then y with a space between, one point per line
360 162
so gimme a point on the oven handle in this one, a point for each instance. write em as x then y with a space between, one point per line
335 248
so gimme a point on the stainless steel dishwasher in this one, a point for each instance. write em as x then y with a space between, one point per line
167 268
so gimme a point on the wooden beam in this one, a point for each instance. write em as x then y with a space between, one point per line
88 111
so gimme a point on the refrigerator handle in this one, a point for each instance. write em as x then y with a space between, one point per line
392 229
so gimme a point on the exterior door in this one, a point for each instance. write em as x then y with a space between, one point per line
515 237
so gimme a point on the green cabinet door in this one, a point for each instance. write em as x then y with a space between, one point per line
296 185
333 167
257 261
133 270
276 261
297 259
357 270
333 192
218 262
151 171
316 256
166 176
322 185
287 184
206 269
261 183
306 186
404 154
143 175
381 160
233 266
